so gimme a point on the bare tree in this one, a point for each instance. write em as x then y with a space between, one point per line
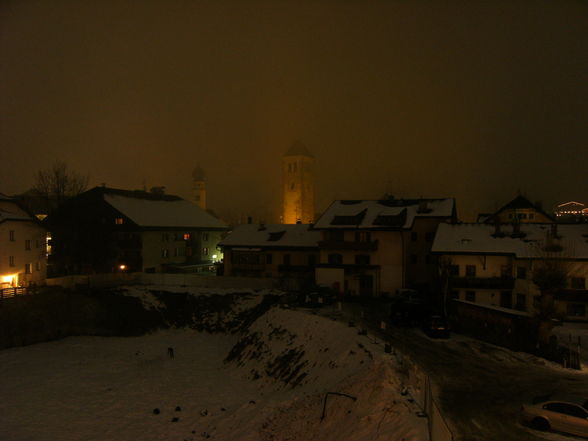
57 184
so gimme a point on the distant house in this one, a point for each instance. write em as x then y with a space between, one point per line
275 251
520 210
374 247
571 212
106 230
492 265
23 251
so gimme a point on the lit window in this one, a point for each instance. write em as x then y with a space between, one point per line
28 268
118 221
165 253
186 236
205 251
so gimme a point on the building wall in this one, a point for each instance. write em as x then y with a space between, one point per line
27 251
298 189
523 215
270 263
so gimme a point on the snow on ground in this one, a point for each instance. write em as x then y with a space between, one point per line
96 388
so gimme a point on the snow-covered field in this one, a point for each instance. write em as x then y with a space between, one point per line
106 389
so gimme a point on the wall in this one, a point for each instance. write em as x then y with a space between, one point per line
35 256
193 280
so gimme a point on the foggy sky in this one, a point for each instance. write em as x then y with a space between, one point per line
473 100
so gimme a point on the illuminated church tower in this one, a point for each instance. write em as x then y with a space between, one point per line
298 185
199 188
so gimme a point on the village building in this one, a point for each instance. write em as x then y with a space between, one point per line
107 230
376 247
571 212
492 265
520 210
23 246
298 185
287 252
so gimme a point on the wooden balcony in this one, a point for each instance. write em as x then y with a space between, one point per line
482 282
348 245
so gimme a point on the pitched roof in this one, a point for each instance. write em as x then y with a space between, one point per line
529 241
383 214
520 202
275 236
298 149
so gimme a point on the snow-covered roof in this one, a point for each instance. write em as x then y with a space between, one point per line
531 241
9 215
275 235
383 214
168 212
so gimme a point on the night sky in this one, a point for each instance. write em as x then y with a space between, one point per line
473 100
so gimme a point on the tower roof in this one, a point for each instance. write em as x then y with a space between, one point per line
298 149
198 174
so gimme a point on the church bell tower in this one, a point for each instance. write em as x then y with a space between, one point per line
199 187
298 185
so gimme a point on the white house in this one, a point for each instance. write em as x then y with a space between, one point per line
374 247
493 265
23 246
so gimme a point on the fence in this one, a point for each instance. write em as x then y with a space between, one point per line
162 279
7 293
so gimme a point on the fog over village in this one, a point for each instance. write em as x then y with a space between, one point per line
293 220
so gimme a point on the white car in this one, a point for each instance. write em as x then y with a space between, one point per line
569 415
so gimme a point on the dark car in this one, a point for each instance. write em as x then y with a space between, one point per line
436 326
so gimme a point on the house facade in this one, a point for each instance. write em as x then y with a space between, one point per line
23 246
520 210
493 266
288 252
108 230
374 248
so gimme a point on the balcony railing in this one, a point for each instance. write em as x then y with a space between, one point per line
349 245
483 282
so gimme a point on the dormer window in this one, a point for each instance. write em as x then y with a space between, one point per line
119 221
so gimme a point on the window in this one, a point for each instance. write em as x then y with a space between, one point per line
268 259
521 304
414 259
414 236
165 253
335 259
454 294
578 283
176 252
188 251
566 409
311 259
205 251
362 259
506 299
470 270
522 216
186 236
27 245
11 235
38 266
335 235
204 236
10 260
164 237
28 268
470 296
429 236
37 243
454 270
428 259
521 272
118 221
286 259
576 310
531 215
364 236
292 186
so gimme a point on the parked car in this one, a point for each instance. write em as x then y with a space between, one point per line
436 326
569 415
408 308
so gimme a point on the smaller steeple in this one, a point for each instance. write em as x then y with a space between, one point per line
199 187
